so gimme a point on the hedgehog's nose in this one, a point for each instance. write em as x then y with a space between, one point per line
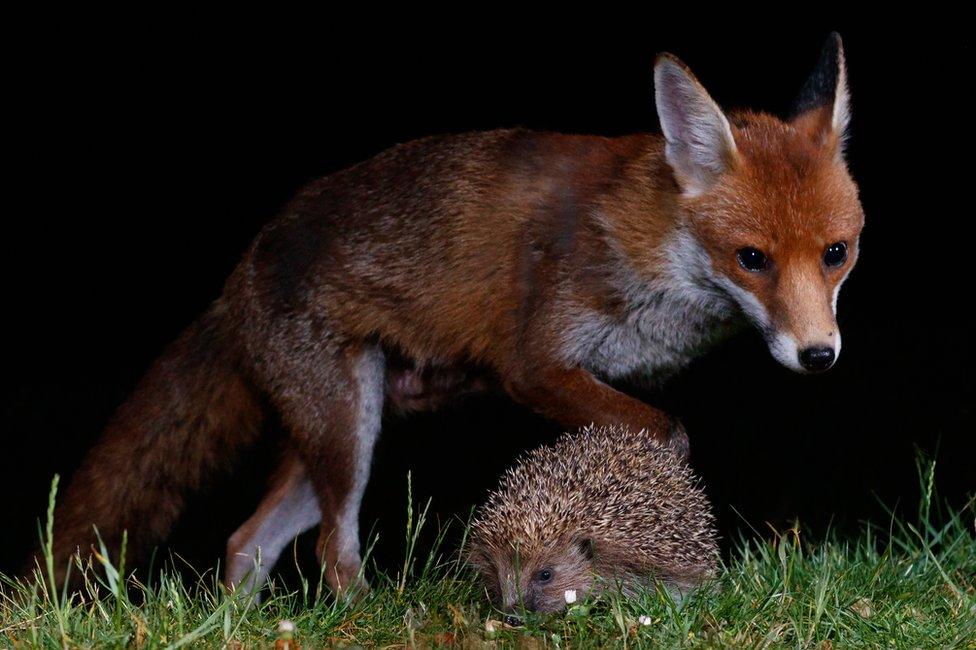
513 620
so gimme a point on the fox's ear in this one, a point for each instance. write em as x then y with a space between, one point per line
699 143
823 108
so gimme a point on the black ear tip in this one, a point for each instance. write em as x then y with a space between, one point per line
834 44
821 86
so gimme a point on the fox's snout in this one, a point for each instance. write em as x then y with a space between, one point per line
796 315
811 357
799 319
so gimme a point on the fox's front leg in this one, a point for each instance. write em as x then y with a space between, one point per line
575 398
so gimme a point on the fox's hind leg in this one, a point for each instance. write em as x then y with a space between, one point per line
333 406
291 505
288 509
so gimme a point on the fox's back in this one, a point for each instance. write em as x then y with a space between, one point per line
442 244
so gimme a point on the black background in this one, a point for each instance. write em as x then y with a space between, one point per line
148 157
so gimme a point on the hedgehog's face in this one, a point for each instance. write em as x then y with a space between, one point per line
539 580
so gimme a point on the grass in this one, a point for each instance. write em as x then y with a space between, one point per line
911 584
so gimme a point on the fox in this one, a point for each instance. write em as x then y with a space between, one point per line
550 267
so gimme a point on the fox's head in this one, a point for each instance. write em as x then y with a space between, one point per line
770 203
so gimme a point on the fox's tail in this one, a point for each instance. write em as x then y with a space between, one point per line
192 413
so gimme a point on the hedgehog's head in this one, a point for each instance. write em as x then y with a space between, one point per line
535 577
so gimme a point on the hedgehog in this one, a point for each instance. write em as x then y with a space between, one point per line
598 508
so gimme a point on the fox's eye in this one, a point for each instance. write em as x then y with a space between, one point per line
836 254
545 575
752 259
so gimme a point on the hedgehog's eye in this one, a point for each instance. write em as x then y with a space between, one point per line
544 576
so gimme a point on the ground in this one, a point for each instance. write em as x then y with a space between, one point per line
907 584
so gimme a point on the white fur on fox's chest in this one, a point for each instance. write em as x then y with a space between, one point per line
652 342
670 321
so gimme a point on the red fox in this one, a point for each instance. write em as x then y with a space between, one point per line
544 264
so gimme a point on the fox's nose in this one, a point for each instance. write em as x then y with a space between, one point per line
817 359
